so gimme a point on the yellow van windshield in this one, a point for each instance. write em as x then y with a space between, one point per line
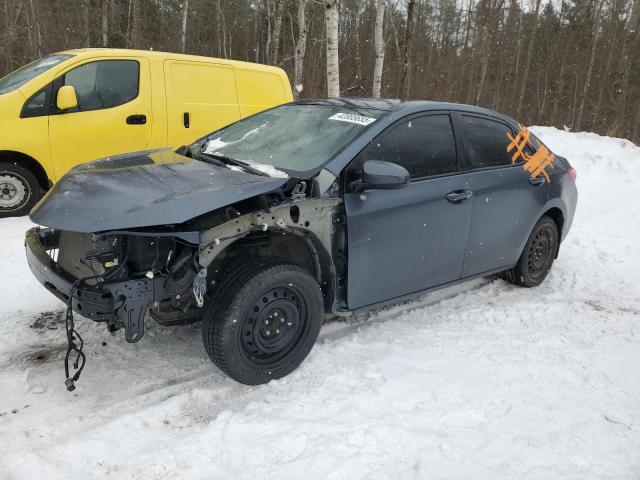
29 72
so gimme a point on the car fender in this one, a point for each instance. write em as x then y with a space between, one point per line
552 203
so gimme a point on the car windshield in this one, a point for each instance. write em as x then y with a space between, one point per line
28 72
300 138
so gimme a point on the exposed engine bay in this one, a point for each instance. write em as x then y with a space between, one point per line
171 271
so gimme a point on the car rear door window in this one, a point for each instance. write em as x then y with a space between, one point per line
425 146
486 142
104 84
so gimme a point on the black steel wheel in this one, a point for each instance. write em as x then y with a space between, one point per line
538 255
264 322
19 190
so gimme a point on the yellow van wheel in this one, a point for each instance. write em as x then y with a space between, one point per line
19 190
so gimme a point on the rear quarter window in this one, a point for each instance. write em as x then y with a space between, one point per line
486 142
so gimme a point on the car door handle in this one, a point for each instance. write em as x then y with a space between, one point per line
459 196
136 119
186 120
537 180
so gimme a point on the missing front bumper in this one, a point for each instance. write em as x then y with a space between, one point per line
120 303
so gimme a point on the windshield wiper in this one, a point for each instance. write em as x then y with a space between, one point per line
237 163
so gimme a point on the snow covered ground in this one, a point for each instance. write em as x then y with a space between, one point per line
481 381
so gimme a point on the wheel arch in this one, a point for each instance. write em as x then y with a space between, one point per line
299 246
31 163
556 211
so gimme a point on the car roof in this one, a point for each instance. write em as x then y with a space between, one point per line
403 107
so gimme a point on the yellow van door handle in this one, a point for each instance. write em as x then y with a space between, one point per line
186 120
136 120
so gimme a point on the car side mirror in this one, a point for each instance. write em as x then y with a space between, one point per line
380 175
67 98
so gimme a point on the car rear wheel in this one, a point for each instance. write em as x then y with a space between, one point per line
538 255
19 190
264 321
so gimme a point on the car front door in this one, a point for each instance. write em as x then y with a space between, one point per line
506 202
407 240
113 114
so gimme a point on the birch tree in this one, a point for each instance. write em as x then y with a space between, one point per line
277 29
185 16
332 17
379 48
105 23
300 48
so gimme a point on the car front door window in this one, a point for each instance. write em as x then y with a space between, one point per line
104 84
425 146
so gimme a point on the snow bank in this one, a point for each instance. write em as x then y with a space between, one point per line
480 381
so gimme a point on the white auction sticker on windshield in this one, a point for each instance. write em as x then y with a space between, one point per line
352 118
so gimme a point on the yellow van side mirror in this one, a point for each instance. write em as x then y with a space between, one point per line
66 98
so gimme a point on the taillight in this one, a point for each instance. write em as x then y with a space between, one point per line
572 173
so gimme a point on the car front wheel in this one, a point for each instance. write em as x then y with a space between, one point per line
19 190
264 322
538 255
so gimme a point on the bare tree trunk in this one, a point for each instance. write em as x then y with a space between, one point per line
38 32
332 17
135 37
406 61
86 24
527 65
592 60
129 29
301 46
357 46
267 45
105 23
185 16
223 21
636 126
634 19
256 35
379 47
484 64
277 29
622 102
6 47
605 82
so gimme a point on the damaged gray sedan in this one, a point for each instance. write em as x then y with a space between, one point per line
312 209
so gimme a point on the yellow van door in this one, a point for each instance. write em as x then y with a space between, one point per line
259 90
113 116
201 98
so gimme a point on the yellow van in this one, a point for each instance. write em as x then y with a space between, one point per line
79 105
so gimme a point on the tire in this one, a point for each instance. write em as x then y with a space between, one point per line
263 321
19 190
538 255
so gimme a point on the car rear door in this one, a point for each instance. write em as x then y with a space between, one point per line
201 98
406 240
506 202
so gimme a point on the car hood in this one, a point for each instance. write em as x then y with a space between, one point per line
144 189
